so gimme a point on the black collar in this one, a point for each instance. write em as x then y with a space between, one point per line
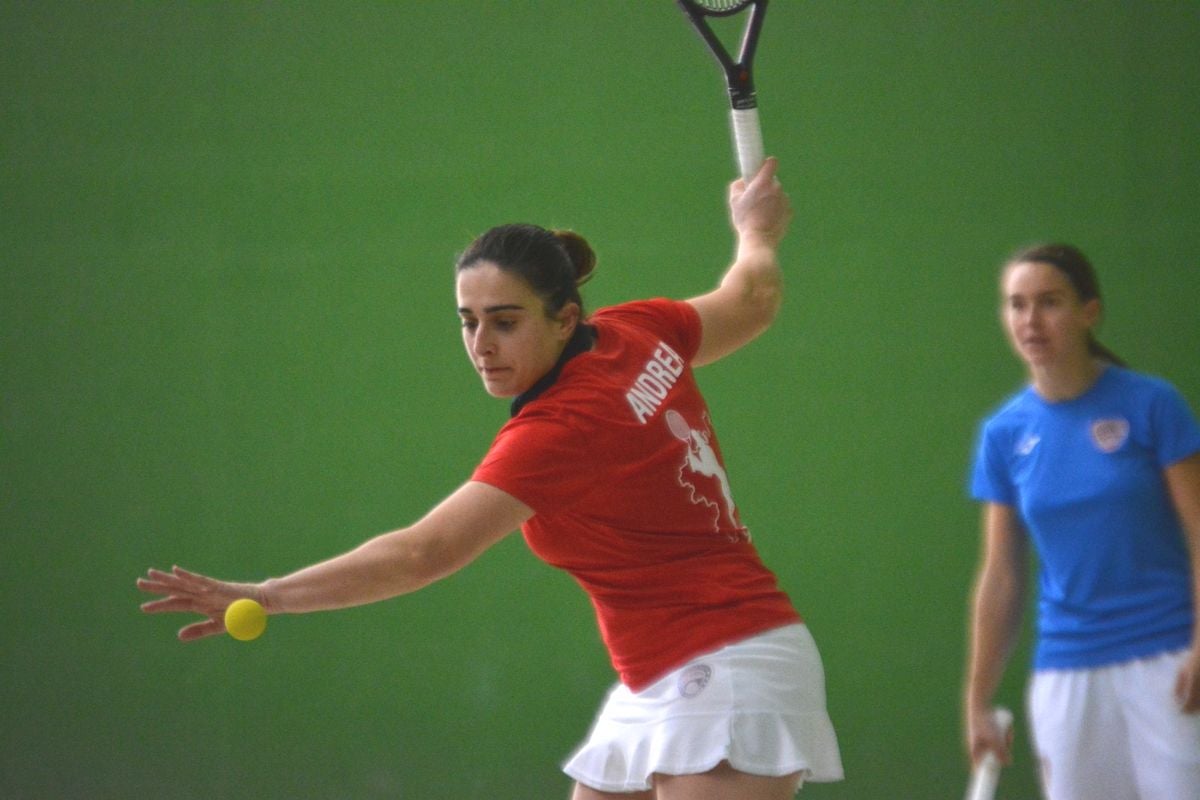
580 342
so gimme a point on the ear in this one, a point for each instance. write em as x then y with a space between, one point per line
568 318
1092 312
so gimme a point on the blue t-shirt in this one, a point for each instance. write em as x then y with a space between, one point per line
1086 478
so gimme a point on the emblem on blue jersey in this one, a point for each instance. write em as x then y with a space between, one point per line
1026 445
1110 434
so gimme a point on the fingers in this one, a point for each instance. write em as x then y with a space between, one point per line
986 736
171 604
983 745
181 591
764 177
177 581
187 592
766 173
201 630
1003 753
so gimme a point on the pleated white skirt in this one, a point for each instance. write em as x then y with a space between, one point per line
758 704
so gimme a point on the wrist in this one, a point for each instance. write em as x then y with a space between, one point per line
756 240
977 702
267 592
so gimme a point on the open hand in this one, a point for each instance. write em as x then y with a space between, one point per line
189 592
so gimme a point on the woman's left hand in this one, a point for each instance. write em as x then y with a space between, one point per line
759 208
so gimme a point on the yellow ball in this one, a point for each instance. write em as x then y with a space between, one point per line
245 619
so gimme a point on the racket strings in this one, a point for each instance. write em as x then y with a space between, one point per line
722 5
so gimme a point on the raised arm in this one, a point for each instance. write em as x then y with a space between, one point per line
997 606
751 291
449 537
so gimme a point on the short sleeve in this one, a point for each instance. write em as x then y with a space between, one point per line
1176 433
538 460
676 322
991 481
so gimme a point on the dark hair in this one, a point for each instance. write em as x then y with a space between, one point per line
553 262
1072 263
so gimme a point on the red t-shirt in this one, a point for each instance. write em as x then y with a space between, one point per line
619 461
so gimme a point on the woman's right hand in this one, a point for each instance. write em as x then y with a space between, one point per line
188 592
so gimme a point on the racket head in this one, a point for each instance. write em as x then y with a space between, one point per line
678 425
718 8
738 67
738 70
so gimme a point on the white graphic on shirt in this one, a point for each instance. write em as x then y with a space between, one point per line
701 459
1110 434
1028 443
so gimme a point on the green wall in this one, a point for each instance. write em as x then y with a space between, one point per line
227 341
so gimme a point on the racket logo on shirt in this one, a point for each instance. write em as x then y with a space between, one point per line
701 459
1110 434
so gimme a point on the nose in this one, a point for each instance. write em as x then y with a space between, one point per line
1027 317
482 343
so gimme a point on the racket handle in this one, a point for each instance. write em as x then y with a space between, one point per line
984 778
747 140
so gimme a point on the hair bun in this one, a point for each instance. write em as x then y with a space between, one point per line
582 256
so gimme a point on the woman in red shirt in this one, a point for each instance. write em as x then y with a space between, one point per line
611 469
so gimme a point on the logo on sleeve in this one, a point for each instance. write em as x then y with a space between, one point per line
1109 434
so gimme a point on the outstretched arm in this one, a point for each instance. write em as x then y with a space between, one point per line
997 607
449 537
751 291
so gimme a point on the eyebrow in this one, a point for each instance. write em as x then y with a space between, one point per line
1046 293
493 309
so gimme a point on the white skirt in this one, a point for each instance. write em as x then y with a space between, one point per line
758 704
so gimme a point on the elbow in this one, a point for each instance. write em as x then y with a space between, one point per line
399 564
423 563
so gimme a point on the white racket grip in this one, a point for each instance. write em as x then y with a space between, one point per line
747 140
986 774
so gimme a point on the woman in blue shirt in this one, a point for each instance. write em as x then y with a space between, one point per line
1099 468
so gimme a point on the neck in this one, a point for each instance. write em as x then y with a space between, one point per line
580 342
1065 381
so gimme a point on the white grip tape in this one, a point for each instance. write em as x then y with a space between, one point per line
747 140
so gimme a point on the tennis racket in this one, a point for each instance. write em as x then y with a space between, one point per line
739 77
986 774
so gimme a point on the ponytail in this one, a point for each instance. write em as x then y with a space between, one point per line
580 253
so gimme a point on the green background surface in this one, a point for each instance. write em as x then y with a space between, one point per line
229 342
